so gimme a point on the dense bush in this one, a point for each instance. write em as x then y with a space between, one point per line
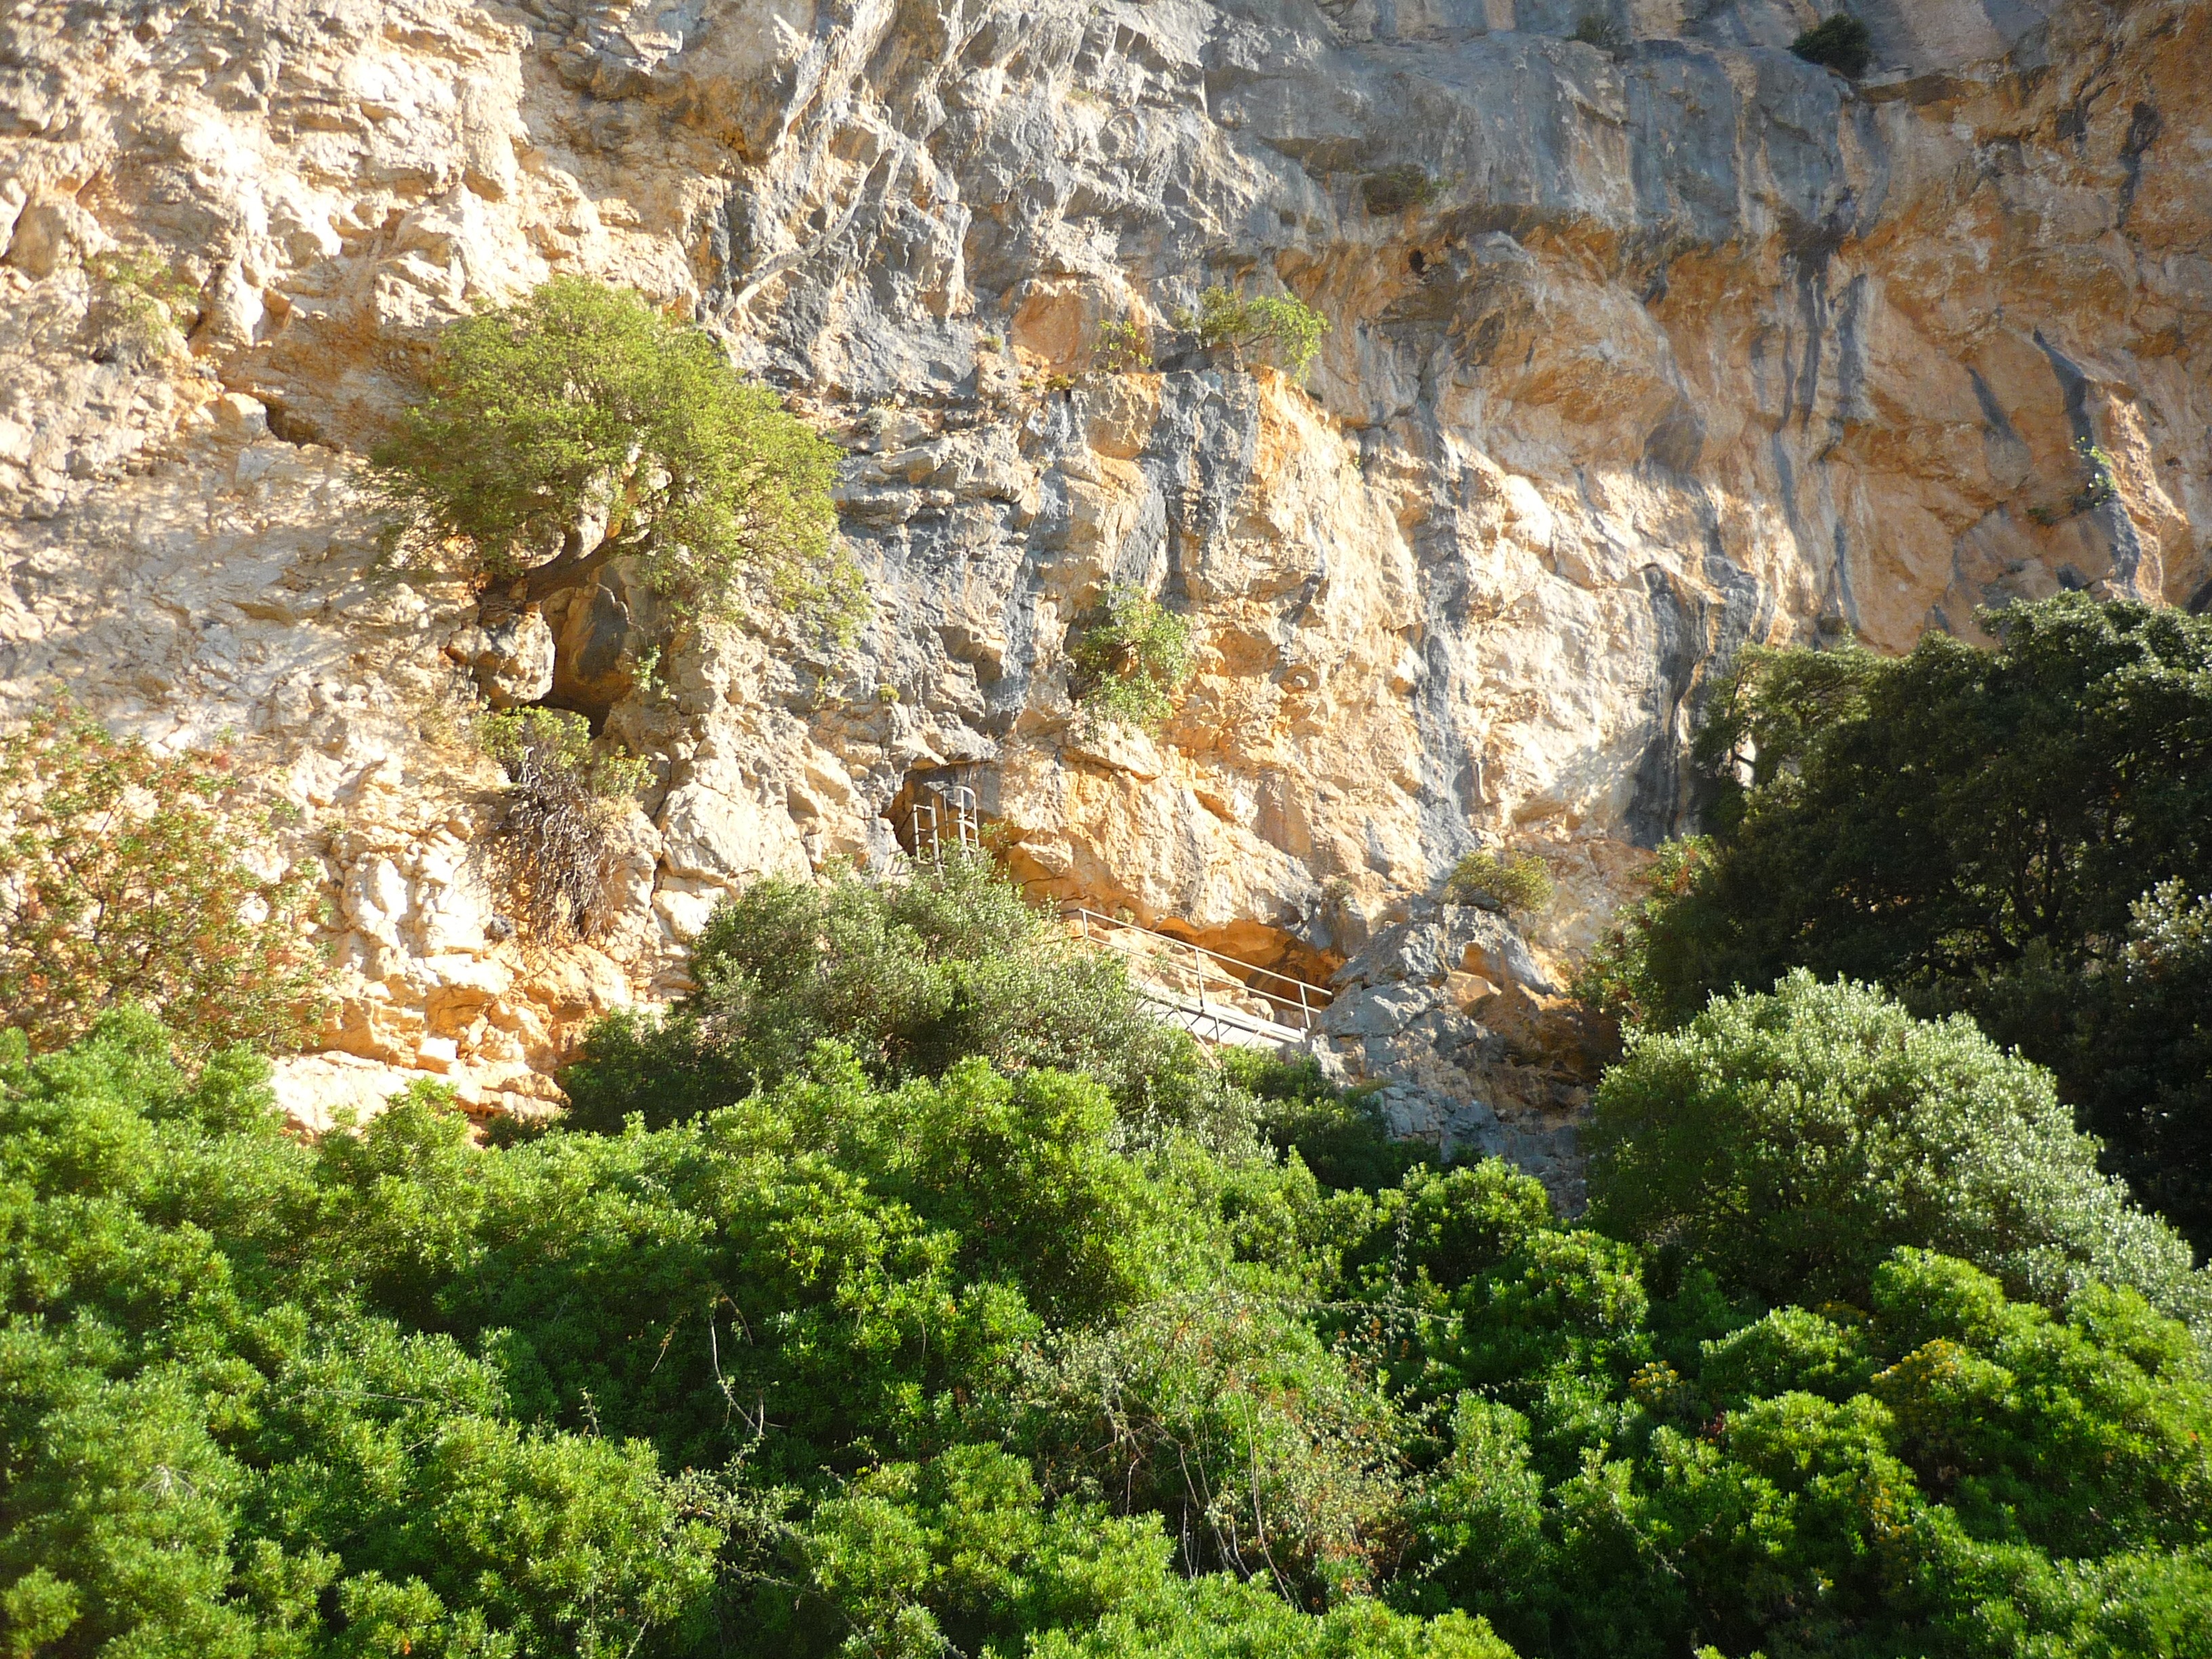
844 1370
1841 43
122 881
1789 1142
1976 830
1129 660
579 425
910 974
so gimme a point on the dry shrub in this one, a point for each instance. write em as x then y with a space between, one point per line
551 851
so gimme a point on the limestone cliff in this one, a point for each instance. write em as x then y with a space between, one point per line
1637 352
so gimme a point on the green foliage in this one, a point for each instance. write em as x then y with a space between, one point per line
125 882
142 306
400 1393
1130 659
1284 328
1975 829
1790 1140
1516 881
1630 973
1841 43
1123 346
579 425
212 1448
911 975
1335 1131
552 849
955 1366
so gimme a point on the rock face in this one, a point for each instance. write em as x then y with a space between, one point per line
1635 354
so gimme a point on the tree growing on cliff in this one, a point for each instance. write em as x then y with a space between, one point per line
1129 660
1283 327
579 425
1841 43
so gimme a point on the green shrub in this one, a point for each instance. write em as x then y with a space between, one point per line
580 406
126 881
1841 43
1335 1130
1123 346
1790 1141
142 306
1629 973
1974 829
552 846
1518 881
1284 328
911 975
1129 660
960 1366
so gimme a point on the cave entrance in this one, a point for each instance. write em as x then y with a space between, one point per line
936 812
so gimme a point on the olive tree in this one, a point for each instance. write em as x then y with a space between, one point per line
579 425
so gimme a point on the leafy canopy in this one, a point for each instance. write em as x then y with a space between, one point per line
125 882
579 424
1515 881
1789 1140
1975 829
1283 327
918 1357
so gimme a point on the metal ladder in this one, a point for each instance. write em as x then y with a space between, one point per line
942 813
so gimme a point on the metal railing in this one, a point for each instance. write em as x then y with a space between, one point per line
1296 997
925 821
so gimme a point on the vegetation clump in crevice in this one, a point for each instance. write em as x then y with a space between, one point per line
1841 43
142 306
1124 346
123 878
2100 487
1129 660
553 847
579 425
1596 28
1396 189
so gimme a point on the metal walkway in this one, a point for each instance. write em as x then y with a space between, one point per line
1216 998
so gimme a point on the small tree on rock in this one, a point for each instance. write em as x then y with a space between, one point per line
579 425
